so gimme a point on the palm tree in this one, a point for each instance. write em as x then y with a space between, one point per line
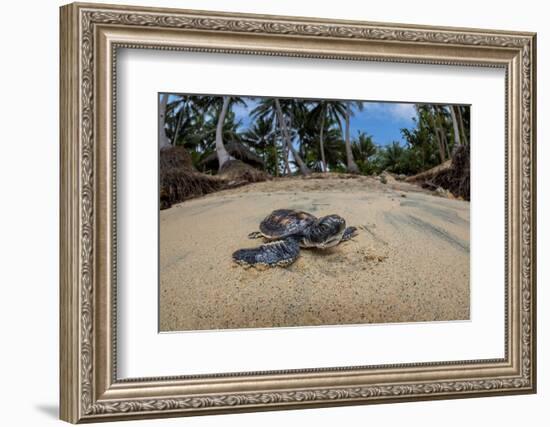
392 156
363 149
464 122
307 136
182 113
334 149
230 133
271 109
261 138
460 135
163 139
434 114
282 120
223 155
337 112
444 125
456 128
421 140
352 166
220 107
323 112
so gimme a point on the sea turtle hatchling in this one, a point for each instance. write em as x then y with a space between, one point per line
286 230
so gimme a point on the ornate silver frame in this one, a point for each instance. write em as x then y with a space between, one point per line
90 36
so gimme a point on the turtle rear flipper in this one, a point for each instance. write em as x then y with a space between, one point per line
255 235
280 253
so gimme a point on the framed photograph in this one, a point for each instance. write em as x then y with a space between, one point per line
266 212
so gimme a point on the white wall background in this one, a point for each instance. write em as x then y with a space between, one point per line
29 170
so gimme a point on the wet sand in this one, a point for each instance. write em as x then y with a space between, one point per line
409 261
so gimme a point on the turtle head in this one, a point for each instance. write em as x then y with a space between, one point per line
325 233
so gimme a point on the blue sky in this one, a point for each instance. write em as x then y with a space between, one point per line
382 120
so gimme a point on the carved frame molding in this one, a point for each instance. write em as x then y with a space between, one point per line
90 37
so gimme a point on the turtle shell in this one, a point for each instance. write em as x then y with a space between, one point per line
285 222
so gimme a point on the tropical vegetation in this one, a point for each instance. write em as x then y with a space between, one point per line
300 136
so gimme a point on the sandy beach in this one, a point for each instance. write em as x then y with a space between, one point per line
409 261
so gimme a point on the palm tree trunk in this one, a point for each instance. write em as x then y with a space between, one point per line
455 126
442 132
286 171
303 168
435 129
322 143
461 125
223 155
177 130
264 157
445 143
352 166
441 146
276 157
163 139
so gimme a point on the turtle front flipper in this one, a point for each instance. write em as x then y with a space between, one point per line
280 253
349 233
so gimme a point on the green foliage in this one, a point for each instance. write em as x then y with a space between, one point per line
308 137
261 137
191 122
427 145
364 152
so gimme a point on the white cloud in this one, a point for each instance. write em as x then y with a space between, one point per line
402 111
393 111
